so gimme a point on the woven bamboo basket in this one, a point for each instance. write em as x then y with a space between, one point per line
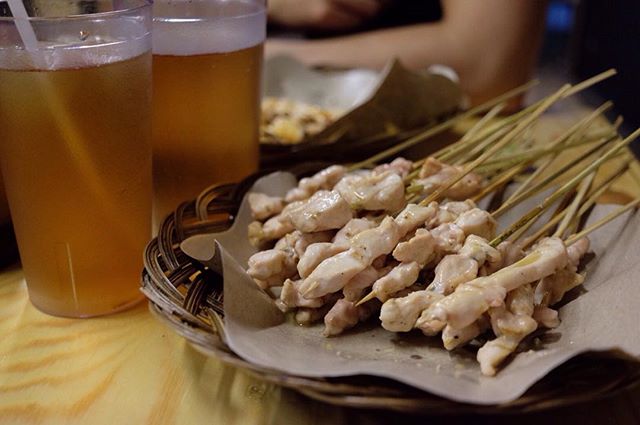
187 297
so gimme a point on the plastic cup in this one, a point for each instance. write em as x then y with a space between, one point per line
75 125
207 65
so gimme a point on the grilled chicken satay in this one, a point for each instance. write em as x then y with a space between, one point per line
290 297
274 228
551 289
333 273
323 180
325 210
373 192
318 252
470 300
271 267
435 174
264 206
399 166
400 314
448 212
511 323
450 271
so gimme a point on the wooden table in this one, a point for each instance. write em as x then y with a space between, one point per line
130 369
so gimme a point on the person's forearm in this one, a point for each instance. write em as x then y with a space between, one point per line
492 45
417 46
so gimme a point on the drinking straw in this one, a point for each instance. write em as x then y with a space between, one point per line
25 31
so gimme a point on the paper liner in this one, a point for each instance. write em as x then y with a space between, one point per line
603 317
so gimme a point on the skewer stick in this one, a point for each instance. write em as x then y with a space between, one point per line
584 123
536 153
588 203
503 142
371 295
547 180
470 136
439 128
575 204
488 141
609 217
499 181
500 132
565 188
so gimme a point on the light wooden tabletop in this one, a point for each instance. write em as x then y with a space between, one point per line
130 369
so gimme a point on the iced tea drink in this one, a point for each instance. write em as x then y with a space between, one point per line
75 125
207 63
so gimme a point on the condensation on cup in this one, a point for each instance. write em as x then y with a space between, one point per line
207 64
75 124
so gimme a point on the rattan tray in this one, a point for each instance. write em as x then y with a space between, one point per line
188 298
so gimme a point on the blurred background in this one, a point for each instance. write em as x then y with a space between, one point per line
584 37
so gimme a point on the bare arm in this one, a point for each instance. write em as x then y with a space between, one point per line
492 44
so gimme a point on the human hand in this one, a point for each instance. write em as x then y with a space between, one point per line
323 14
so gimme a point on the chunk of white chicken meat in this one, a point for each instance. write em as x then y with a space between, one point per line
452 271
449 238
318 252
470 300
290 297
414 216
478 248
333 273
477 222
272 229
510 253
399 166
435 174
373 192
345 315
353 290
453 337
448 212
511 323
551 289
315 254
325 179
401 276
400 314
325 210
420 248
264 206
271 267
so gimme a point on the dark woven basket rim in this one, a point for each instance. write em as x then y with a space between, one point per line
187 297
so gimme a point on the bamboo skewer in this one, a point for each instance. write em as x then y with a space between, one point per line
533 154
609 217
439 128
549 179
586 205
503 142
471 135
508 138
573 207
565 188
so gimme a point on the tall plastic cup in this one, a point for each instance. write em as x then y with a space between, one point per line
75 150
207 64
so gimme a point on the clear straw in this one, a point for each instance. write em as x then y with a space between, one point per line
27 34
25 30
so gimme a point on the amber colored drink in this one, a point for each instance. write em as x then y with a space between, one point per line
207 66
205 122
76 161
